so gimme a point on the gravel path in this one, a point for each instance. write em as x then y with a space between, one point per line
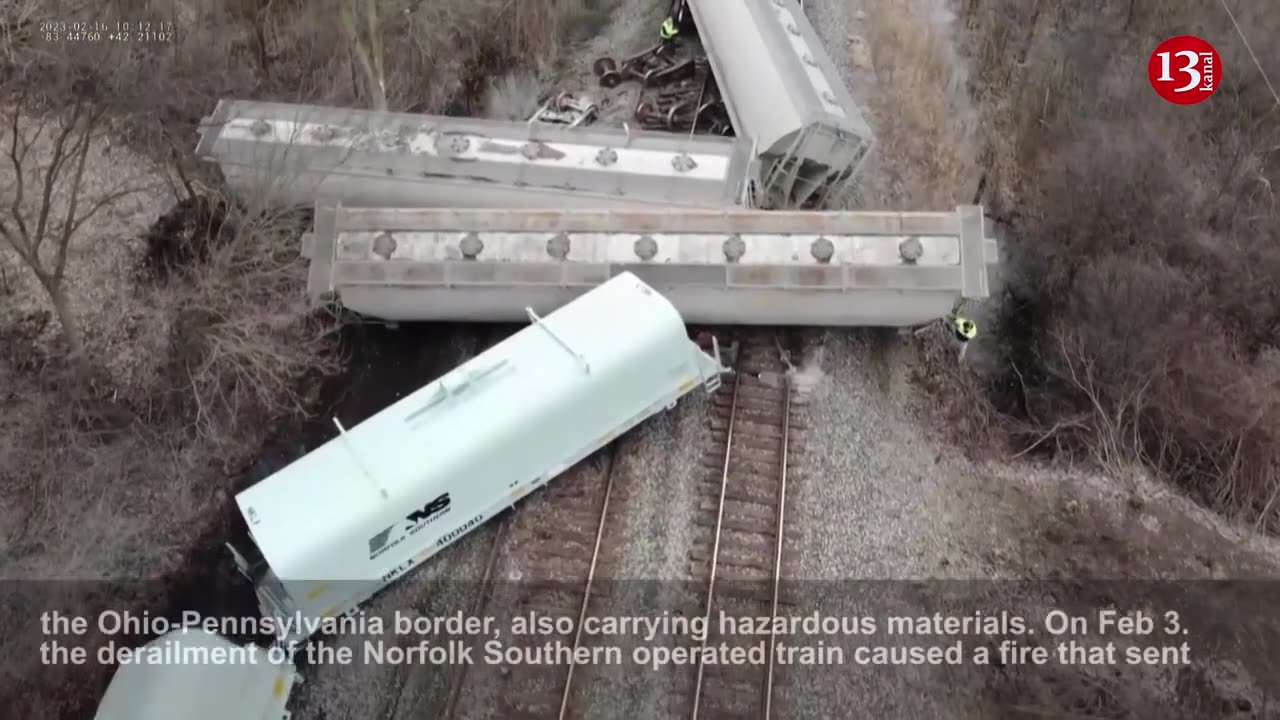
873 488
658 476
872 502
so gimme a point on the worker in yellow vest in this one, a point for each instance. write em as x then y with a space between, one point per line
668 34
669 30
963 328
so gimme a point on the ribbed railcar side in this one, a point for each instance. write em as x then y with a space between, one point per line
740 267
382 497
297 154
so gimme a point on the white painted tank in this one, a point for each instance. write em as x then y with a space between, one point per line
197 675
783 92
298 154
384 496
720 267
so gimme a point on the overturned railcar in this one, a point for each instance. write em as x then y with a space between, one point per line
806 268
197 675
298 154
342 522
783 92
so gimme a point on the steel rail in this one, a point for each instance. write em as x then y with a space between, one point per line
482 600
715 548
591 574
777 553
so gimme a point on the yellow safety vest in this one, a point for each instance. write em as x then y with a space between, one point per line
668 29
966 328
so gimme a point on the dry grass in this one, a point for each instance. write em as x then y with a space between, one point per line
87 453
194 365
957 400
1143 318
1141 327
114 464
119 467
107 484
98 252
513 97
926 127
439 56
58 473
242 334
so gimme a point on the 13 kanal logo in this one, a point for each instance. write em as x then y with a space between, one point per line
1184 70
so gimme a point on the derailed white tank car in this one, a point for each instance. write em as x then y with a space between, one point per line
344 521
194 674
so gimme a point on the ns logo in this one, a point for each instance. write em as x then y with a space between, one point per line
429 511
416 521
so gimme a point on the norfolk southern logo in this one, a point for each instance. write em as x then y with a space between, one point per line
429 511
417 520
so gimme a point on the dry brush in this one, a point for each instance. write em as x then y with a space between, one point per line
1142 318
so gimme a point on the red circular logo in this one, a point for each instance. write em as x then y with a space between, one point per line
1184 70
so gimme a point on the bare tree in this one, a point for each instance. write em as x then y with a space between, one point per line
17 20
368 49
255 15
44 204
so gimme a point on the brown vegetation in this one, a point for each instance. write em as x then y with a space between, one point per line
47 202
436 56
227 335
111 480
1142 317
366 45
196 335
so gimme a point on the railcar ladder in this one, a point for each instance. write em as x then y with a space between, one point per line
462 380
783 172
582 361
712 383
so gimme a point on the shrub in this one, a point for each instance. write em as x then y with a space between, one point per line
1142 317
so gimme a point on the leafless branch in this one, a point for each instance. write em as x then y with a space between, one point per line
31 225
368 52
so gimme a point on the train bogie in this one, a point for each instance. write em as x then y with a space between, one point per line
342 522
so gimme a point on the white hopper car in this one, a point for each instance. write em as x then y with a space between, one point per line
196 675
346 520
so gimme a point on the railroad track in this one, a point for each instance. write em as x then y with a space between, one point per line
560 568
743 518
551 569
